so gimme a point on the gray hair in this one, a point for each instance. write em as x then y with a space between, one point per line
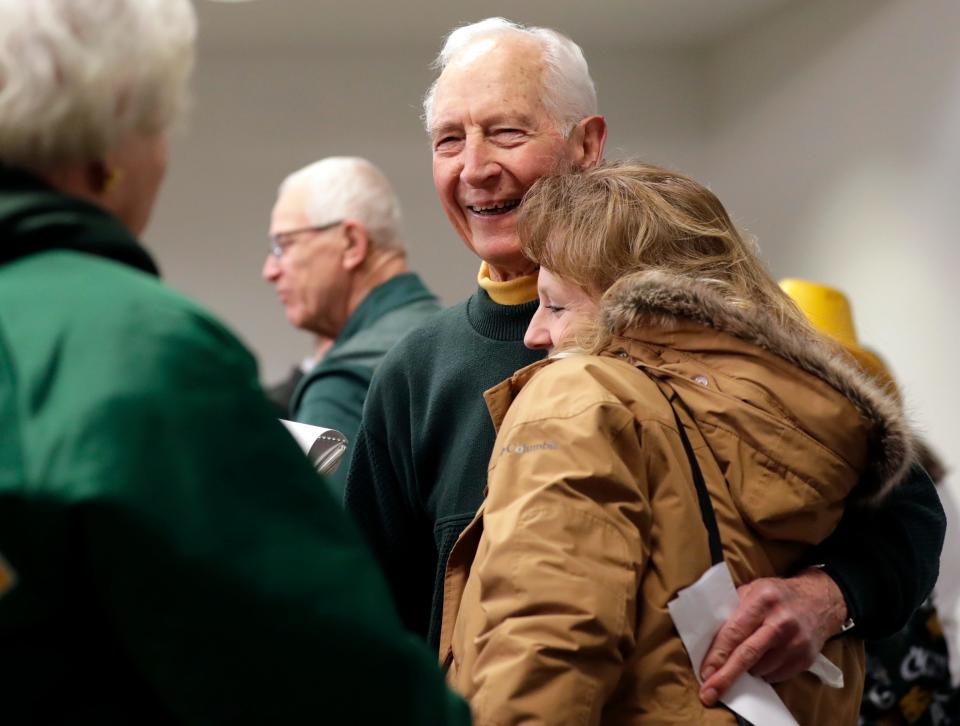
569 94
79 76
348 187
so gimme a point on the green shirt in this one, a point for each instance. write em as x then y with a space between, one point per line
332 394
172 555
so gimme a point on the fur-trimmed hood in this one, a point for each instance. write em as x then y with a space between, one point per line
590 475
655 299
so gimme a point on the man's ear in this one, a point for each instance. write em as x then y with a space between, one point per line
357 244
590 136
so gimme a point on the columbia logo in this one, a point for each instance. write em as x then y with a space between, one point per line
524 448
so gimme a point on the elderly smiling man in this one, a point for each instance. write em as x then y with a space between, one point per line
510 105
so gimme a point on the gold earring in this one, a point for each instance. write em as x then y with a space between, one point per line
114 177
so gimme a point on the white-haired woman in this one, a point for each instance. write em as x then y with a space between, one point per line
166 553
710 425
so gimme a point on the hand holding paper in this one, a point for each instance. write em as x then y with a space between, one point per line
776 632
698 613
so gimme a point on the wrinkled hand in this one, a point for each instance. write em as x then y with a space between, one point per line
775 633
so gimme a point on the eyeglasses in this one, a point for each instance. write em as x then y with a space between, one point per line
282 240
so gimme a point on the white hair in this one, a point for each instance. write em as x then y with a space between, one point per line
79 76
348 187
569 94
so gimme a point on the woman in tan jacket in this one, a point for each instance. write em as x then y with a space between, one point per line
680 359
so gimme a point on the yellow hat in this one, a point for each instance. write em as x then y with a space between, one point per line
829 311
827 308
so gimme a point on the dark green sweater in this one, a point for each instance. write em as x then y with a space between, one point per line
419 466
420 469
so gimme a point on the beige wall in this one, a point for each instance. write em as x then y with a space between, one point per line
834 136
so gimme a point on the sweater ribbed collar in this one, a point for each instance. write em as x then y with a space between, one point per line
499 322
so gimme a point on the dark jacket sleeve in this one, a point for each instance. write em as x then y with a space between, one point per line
238 586
886 558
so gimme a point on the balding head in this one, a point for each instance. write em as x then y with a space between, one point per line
567 90
347 187
334 237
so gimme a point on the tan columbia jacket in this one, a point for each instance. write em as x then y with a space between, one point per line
555 600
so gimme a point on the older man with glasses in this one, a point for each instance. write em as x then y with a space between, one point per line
340 272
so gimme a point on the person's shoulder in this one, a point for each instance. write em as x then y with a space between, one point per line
413 367
338 379
581 375
570 401
368 346
419 345
438 325
400 322
568 385
128 365
130 322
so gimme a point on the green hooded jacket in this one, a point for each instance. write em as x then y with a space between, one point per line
167 554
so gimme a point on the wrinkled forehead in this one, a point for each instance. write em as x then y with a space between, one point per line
504 73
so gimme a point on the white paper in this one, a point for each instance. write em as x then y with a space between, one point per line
698 612
827 672
324 447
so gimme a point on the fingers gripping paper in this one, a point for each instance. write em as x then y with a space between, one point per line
324 447
698 612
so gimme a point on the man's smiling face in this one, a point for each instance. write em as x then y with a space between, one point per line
492 139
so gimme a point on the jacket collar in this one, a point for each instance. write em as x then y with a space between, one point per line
400 290
660 301
500 397
34 218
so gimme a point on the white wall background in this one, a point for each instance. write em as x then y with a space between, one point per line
834 136
830 128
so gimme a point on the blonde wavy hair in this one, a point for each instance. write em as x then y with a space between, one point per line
596 227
